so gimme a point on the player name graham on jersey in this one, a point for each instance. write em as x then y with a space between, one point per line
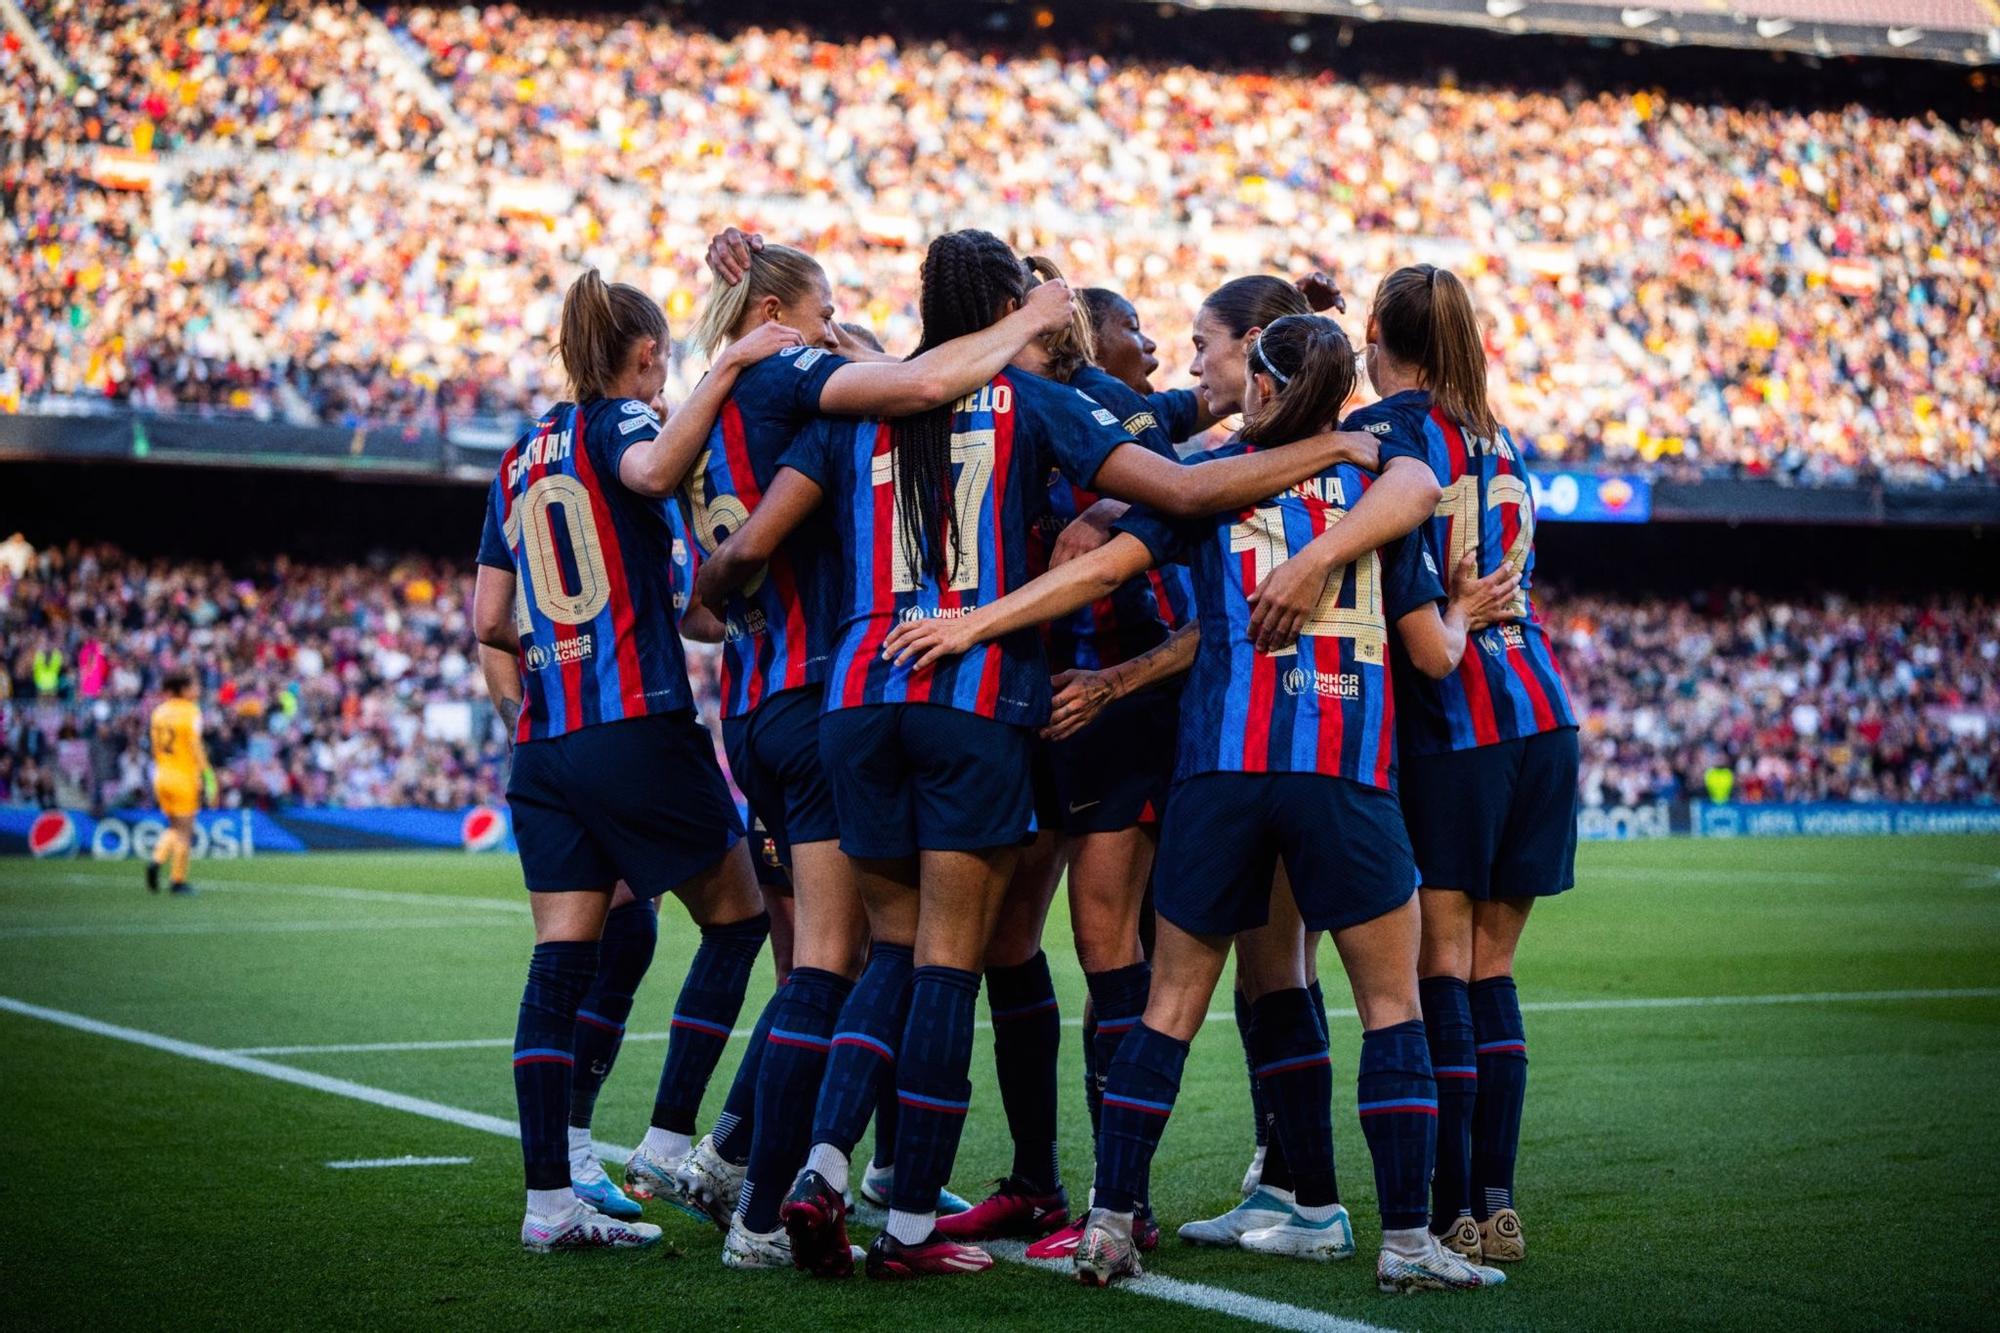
553 447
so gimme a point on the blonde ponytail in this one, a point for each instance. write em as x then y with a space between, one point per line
776 270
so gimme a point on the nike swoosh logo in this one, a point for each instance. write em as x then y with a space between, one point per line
1076 809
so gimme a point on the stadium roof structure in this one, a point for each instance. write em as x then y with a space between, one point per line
1959 31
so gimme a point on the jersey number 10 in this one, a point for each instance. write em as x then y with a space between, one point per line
530 530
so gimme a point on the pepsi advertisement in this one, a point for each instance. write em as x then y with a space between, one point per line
1591 497
228 835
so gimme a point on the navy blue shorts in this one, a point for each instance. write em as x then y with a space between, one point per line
1498 821
773 859
1342 843
1115 773
641 800
774 756
924 777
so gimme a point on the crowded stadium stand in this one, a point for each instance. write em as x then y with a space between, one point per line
333 240
353 219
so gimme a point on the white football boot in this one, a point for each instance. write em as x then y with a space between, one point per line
1436 1269
584 1228
1296 1238
1266 1207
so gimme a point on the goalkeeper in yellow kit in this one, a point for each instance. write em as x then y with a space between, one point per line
181 776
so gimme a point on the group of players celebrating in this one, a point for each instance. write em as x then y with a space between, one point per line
981 626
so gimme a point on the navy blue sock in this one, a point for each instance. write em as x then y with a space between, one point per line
1259 1113
1319 1009
1138 1097
709 1001
623 955
1027 1033
795 1047
1093 1081
1448 1026
1118 999
738 1121
1502 1046
865 1038
1297 1077
886 1117
558 975
1399 1116
933 1083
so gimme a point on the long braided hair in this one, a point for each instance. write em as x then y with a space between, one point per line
967 277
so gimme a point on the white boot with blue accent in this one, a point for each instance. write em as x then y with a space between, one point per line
1265 1207
587 1177
1320 1234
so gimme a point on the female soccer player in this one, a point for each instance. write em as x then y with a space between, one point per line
181 776
575 579
929 769
777 636
1282 758
1490 753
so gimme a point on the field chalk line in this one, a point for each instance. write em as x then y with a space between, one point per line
1530 1006
309 927
1274 1314
368 1163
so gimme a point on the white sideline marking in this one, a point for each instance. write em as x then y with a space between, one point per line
337 892
367 1163
249 927
1220 1300
1192 1294
338 1087
1531 1006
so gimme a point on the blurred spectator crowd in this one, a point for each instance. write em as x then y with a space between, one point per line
344 217
356 685
1748 699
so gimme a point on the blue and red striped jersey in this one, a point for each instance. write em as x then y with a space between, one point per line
594 571
778 628
1508 684
1004 438
1326 704
1141 613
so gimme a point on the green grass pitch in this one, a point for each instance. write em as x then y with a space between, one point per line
1810 1162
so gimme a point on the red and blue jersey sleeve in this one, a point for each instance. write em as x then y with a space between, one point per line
1069 428
493 547
1143 611
1397 423
1410 579
1176 411
778 627
626 422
